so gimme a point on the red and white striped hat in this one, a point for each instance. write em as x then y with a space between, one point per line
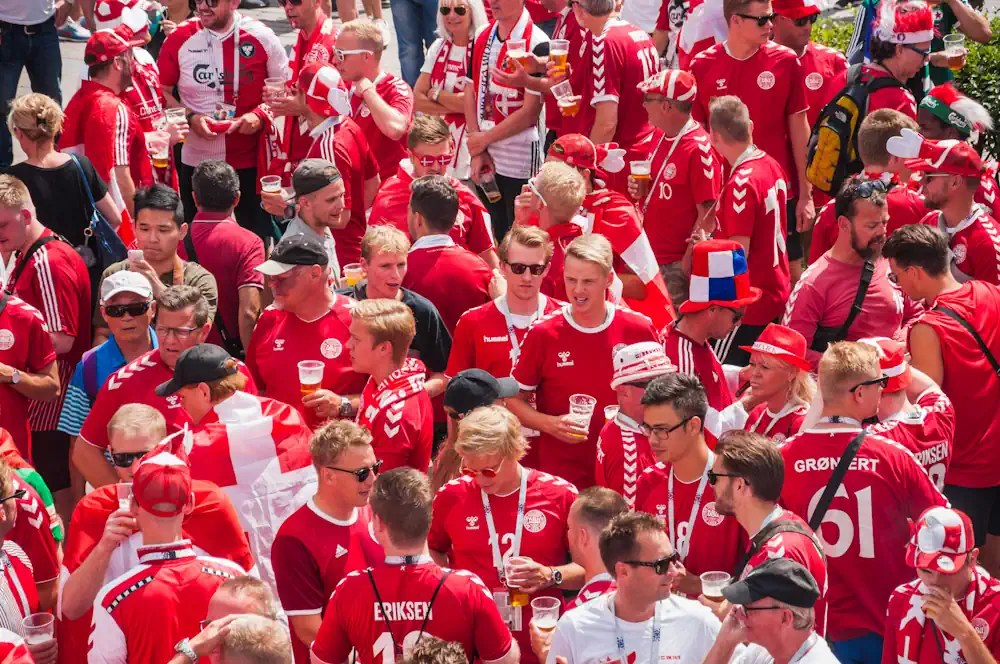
109 14
892 360
907 22
324 90
942 541
640 362
672 84
783 343
161 484
794 9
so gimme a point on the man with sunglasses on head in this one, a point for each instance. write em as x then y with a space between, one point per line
328 537
882 488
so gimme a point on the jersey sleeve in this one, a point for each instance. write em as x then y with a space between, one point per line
277 58
108 645
797 100
121 136
491 635
480 237
742 202
897 608
168 62
348 169
251 256
704 173
297 576
463 349
824 232
803 313
401 99
41 352
370 163
609 463
57 287
527 370
256 340
985 256
563 640
95 427
613 59
33 533
332 644
438 538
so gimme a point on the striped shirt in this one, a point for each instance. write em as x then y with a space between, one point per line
18 594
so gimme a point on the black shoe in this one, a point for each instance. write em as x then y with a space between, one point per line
254 4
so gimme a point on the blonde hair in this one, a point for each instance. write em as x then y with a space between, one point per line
532 237
37 116
330 441
383 238
593 248
387 321
257 640
13 193
562 187
367 33
844 365
221 389
137 419
427 129
479 19
491 430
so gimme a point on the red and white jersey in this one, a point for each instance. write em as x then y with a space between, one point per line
928 432
912 636
754 204
884 487
396 93
25 345
987 196
770 82
969 380
975 245
311 553
32 531
136 616
779 426
281 340
472 229
398 413
202 64
898 98
18 594
452 278
685 172
602 584
144 96
699 360
463 610
820 66
558 359
317 47
623 452
705 539
13 649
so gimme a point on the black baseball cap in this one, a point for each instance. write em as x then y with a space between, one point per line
313 175
292 251
781 579
199 364
474 388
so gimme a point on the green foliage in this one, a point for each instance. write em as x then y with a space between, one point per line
835 34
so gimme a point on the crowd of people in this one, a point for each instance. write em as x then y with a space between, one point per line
270 321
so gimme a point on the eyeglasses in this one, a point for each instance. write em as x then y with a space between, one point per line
663 432
181 333
660 566
426 161
17 495
534 189
459 11
713 476
293 3
118 310
761 21
339 53
867 188
125 459
750 609
737 315
211 4
923 53
519 268
882 381
360 473
488 473
805 20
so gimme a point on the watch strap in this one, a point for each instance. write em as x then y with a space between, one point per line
183 647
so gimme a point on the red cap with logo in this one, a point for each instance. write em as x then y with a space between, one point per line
892 361
578 151
161 484
783 343
671 83
324 90
794 9
942 541
105 45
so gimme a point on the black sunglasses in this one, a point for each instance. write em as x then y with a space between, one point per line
805 20
750 609
459 11
125 459
923 53
212 4
883 381
519 268
293 3
17 495
360 473
118 310
869 187
660 566
761 21
662 432
713 476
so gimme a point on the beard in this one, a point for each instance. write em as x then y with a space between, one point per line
724 502
869 251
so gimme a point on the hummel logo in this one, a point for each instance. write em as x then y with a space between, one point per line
721 83
564 360
473 522
341 551
174 401
660 509
495 339
279 344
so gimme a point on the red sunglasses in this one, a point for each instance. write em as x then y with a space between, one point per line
488 473
443 160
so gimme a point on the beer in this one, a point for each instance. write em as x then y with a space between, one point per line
517 49
640 175
520 55
546 624
161 160
714 598
305 389
518 598
559 54
569 106
956 59
955 51
310 376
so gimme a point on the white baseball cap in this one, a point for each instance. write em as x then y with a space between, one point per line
640 362
125 281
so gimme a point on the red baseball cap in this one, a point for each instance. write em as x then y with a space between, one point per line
324 90
578 151
782 343
892 361
673 84
794 9
921 154
161 484
942 541
105 45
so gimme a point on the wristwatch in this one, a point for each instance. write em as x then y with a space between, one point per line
345 410
15 377
183 647
557 577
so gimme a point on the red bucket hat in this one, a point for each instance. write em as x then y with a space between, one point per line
782 343
719 276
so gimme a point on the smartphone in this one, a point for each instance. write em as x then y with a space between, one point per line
134 255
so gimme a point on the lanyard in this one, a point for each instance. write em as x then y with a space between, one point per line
683 548
804 649
775 513
408 560
515 347
785 410
654 645
236 62
688 126
515 549
839 419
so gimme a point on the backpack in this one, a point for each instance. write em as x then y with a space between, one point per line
832 154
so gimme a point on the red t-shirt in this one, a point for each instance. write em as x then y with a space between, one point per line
558 360
770 82
399 416
463 611
311 553
25 345
33 533
883 488
987 195
230 252
281 340
897 98
452 278
779 426
623 452
820 66
928 433
753 204
975 245
317 47
698 360
397 94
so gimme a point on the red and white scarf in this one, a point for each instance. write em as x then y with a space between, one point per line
495 102
401 384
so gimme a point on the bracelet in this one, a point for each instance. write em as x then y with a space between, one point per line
435 94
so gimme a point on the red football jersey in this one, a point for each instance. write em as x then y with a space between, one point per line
883 488
721 541
820 66
144 95
17 586
602 584
986 195
397 94
975 245
311 553
398 414
317 47
698 360
32 531
558 360
281 340
769 82
779 426
928 433
459 529
970 381
897 98
361 620
685 171
753 204
452 278
623 452
25 345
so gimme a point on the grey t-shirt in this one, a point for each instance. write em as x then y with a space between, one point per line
26 12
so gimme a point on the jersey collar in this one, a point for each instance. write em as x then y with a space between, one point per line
432 242
162 552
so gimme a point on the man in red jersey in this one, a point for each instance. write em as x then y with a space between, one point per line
381 103
685 175
137 616
953 601
882 488
200 59
623 450
328 537
311 324
903 204
182 322
769 79
571 351
747 476
953 174
394 405
430 152
453 278
103 540
677 488
919 258
914 411
752 212
410 593
503 522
